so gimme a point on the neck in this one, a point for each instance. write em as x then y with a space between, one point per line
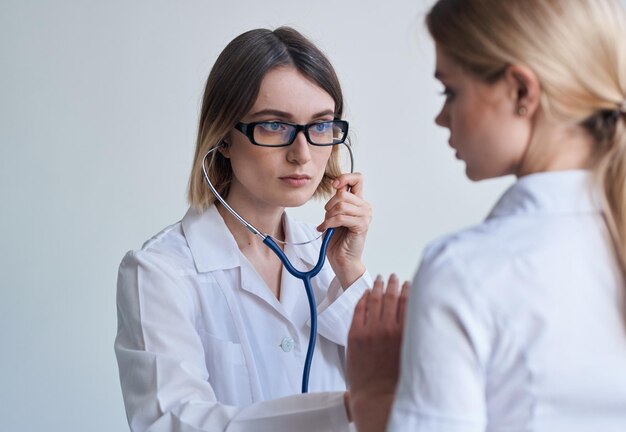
267 219
557 148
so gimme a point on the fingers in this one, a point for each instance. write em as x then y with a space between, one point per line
375 301
390 300
383 306
352 180
402 301
342 196
360 311
348 210
354 223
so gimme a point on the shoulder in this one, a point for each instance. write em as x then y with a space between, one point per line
166 251
464 248
479 263
486 248
156 275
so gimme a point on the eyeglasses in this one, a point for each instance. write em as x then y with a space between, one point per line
281 134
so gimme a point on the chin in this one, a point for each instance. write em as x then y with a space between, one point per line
475 175
296 199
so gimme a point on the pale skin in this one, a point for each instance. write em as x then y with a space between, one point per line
490 136
493 137
262 185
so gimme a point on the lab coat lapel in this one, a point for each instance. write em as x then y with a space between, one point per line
214 249
292 294
254 284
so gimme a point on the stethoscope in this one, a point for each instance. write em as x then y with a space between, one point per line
305 277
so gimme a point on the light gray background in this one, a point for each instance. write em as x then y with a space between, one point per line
98 112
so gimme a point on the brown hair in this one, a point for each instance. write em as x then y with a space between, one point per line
577 48
232 88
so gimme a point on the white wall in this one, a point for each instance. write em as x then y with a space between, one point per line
98 110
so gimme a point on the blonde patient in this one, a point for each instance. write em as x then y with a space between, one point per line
518 323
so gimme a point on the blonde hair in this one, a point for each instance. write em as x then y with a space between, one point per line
231 90
577 49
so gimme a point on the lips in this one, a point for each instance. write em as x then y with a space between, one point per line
456 151
297 177
296 180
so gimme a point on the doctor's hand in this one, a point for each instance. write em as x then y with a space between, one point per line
373 357
350 215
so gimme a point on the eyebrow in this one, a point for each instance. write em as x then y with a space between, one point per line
286 115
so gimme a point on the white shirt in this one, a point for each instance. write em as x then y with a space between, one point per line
518 324
204 345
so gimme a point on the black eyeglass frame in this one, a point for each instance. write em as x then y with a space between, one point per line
248 130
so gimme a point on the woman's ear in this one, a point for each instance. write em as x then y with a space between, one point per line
224 148
525 90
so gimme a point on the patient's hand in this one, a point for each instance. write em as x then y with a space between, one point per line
373 357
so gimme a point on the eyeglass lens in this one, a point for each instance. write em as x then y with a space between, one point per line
277 133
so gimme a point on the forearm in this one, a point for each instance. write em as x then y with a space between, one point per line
313 412
189 405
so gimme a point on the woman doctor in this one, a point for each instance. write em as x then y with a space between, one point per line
518 323
212 333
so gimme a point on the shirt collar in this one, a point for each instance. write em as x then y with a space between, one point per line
213 247
562 192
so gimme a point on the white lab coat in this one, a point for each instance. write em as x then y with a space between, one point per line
203 345
518 324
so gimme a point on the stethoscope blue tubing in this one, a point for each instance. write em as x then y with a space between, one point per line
305 277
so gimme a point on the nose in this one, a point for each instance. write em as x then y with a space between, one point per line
299 151
443 118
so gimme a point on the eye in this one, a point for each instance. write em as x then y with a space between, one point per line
322 127
272 126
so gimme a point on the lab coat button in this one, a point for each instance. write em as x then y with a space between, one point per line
287 344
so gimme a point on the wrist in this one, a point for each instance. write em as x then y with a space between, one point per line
346 403
348 273
370 411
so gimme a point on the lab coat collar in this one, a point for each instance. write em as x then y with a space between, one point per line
212 245
563 192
